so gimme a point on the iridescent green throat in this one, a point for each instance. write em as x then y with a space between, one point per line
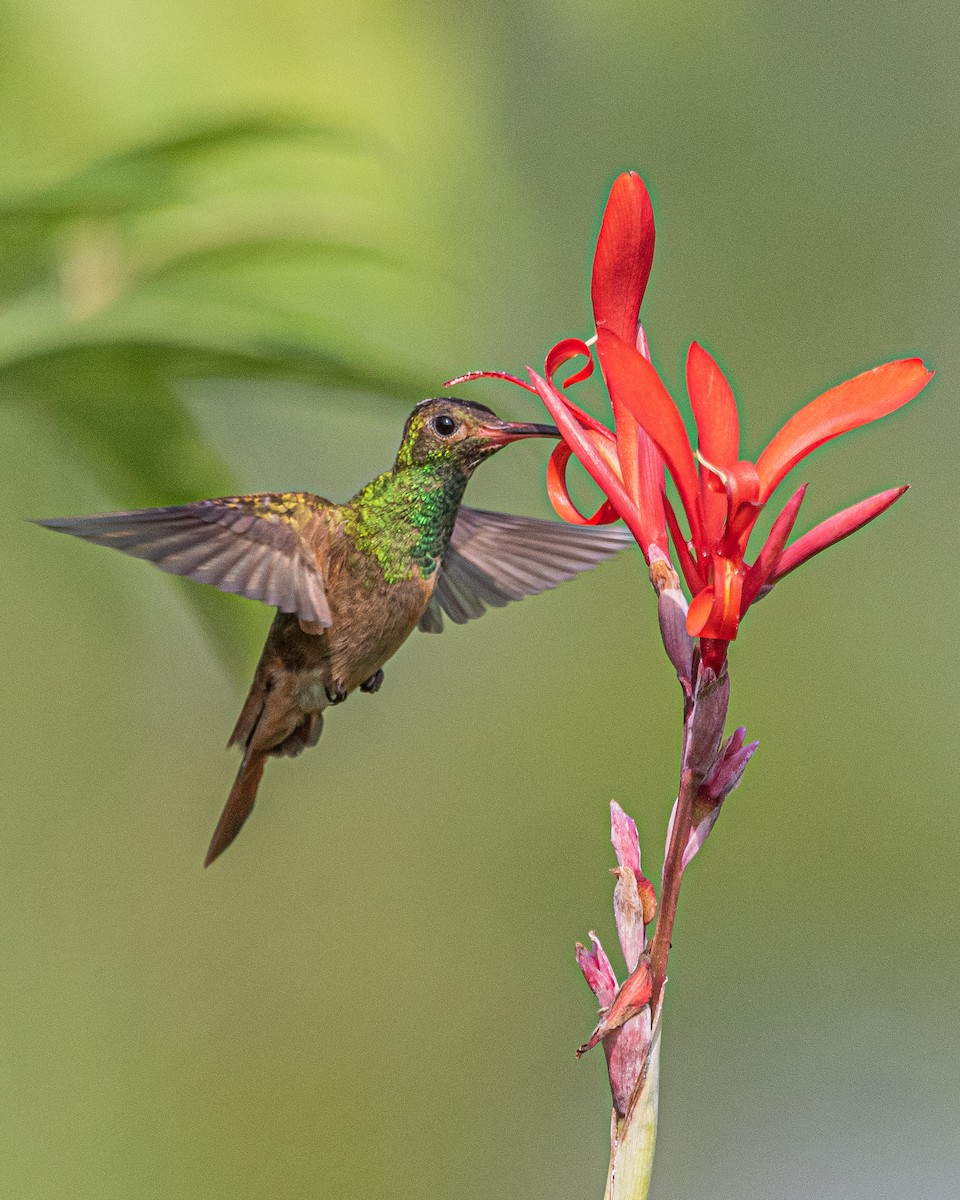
404 517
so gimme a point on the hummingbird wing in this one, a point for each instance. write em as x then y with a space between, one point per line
494 558
263 546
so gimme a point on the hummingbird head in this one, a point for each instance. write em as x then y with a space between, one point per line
460 431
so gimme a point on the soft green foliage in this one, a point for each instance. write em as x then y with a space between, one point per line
136 274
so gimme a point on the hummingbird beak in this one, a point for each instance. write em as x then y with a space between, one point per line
499 433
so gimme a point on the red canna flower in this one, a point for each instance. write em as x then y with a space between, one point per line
721 495
723 499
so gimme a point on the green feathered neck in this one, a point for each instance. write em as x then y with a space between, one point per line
404 518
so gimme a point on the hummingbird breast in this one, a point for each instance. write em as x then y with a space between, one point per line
371 621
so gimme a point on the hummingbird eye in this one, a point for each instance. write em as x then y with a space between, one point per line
444 425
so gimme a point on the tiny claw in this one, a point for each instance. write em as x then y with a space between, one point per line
336 693
372 684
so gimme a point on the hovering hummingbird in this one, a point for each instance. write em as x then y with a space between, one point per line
352 581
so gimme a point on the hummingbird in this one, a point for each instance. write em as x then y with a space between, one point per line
350 582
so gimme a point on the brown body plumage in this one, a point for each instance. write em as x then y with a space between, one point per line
300 674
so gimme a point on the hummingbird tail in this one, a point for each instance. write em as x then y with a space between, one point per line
239 803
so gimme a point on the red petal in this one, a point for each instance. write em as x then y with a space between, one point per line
633 382
715 612
740 487
771 550
860 400
714 408
585 419
834 529
640 463
728 587
559 495
650 489
691 574
699 611
562 352
621 265
585 446
718 427
628 448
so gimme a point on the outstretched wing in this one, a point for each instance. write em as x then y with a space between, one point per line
494 558
263 546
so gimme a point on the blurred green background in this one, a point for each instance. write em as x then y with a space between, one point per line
235 244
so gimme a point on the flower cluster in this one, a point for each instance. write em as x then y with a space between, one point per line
721 495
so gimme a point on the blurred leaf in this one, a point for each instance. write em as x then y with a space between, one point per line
242 250
150 174
99 334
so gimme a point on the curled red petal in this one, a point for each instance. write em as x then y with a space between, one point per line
596 449
740 486
471 375
860 400
718 428
562 352
633 381
834 529
559 494
624 255
771 550
586 446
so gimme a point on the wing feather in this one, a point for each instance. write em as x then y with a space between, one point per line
494 558
267 546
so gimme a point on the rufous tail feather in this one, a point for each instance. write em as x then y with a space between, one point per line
239 803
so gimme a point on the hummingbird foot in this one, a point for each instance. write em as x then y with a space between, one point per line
372 684
336 693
